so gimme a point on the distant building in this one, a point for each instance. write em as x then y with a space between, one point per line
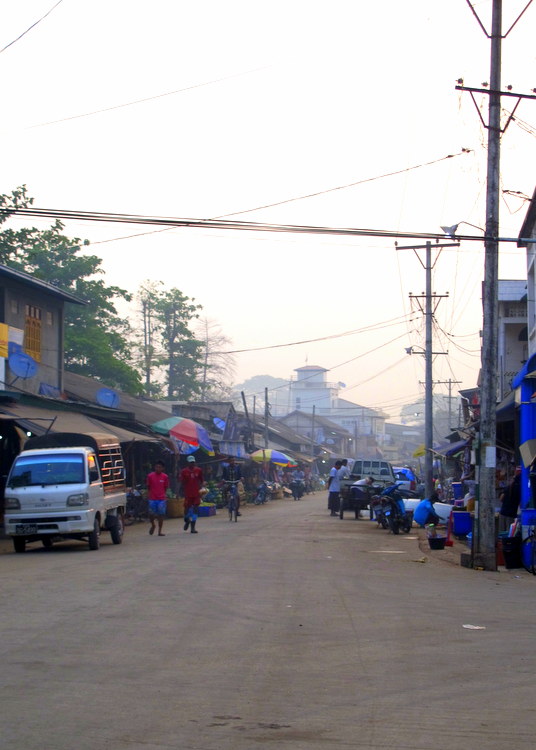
310 389
528 231
366 426
513 339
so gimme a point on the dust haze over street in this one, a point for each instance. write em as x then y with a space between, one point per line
289 629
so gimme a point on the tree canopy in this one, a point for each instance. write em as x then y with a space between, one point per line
96 337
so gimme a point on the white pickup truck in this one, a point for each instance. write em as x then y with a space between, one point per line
66 486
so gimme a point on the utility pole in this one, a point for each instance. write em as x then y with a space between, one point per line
266 416
251 440
484 552
450 383
313 433
428 353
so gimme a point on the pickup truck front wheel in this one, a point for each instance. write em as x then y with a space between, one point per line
94 537
19 543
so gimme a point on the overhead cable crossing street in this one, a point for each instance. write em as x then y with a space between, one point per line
250 226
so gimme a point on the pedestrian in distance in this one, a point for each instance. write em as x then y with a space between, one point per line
157 485
334 489
191 478
344 472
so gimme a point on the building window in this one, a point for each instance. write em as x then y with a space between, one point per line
14 306
32 332
50 318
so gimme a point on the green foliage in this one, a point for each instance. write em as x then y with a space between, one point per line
96 338
182 356
171 355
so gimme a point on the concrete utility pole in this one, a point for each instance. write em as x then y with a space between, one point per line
428 355
484 554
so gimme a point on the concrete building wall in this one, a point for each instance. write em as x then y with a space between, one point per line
40 318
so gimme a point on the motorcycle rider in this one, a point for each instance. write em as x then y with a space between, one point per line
298 478
232 473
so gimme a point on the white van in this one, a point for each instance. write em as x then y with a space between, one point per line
381 471
66 486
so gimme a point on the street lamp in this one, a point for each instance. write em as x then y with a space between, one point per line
451 231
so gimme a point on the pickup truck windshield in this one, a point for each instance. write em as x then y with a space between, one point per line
42 471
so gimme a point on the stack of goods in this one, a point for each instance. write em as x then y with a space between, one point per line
214 494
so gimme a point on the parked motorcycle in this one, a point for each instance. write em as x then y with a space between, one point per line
136 507
263 493
395 512
390 511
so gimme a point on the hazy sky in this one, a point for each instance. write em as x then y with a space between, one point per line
250 103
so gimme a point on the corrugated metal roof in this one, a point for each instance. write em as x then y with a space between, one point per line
26 278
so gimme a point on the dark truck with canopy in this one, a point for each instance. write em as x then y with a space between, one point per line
355 498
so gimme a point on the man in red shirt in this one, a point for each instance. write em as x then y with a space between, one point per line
191 478
157 484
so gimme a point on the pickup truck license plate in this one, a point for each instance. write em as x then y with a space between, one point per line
26 528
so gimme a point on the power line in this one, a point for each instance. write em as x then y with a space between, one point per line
279 203
351 184
73 215
31 27
140 101
374 327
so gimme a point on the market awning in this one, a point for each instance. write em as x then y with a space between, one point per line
527 371
451 449
506 410
39 421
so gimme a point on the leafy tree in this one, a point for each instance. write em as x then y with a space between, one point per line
182 352
96 343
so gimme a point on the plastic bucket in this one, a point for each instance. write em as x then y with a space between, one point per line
457 490
437 542
511 548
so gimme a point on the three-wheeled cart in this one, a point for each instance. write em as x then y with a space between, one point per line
354 498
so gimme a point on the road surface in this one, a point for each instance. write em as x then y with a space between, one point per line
288 629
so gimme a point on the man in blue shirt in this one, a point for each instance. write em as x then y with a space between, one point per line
424 513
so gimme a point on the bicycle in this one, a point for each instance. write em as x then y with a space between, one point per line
232 499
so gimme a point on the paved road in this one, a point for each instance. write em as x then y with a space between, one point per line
289 629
